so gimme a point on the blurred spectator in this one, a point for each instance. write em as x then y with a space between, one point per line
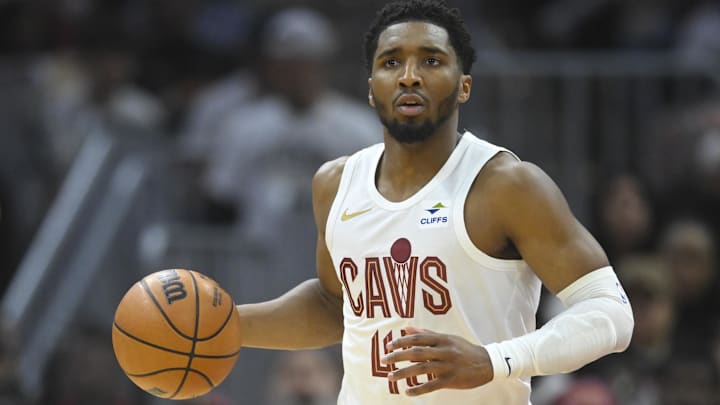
265 154
648 282
635 376
586 392
705 195
213 105
177 65
226 28
91 89
671 132
689 248
548 389
217 101
698 37
689 183
307 377
625 217
63 85
690 382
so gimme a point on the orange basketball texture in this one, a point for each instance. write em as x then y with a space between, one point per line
176 334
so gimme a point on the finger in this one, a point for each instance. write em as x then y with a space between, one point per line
418 353
411 330
418 339
416 369
430 386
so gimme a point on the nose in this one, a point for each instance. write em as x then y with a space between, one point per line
410 77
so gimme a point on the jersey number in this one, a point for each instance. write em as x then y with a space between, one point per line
382 370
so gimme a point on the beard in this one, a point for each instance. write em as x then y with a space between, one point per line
413 131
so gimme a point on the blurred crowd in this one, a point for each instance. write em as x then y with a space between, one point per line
250 97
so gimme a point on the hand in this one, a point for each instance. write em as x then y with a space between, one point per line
453 361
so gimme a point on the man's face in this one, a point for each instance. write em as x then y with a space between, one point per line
282 78
416 82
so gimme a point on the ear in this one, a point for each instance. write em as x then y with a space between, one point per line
371 99
465 86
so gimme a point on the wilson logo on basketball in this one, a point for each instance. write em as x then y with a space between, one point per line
406 275
172 287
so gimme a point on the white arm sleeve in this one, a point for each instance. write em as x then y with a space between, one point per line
598 321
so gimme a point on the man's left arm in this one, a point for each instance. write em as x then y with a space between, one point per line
570 262
598 318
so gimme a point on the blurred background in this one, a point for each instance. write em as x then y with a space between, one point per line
139 135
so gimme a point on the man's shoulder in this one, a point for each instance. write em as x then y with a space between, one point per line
504 176
331 170
325 185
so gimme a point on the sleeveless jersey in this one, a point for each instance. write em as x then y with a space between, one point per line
412 263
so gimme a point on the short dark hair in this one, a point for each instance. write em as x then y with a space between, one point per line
432 11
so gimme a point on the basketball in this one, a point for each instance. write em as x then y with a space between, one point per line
176 334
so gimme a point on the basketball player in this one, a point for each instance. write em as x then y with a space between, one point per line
432 246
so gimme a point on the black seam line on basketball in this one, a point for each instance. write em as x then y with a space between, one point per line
216 356
156 372
194 338
227 319
173 351
162 312
201 374
145 342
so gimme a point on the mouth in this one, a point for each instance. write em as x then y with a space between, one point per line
410 105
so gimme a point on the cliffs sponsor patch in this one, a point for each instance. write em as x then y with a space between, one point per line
434 214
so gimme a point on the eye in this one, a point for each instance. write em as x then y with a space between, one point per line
432 61
391 62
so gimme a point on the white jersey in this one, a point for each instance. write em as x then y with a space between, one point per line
412 263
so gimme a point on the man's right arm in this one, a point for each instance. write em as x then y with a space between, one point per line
309 315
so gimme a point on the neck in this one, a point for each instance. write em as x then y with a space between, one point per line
405 168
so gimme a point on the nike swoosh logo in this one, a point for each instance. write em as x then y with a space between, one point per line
507 361
350 215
